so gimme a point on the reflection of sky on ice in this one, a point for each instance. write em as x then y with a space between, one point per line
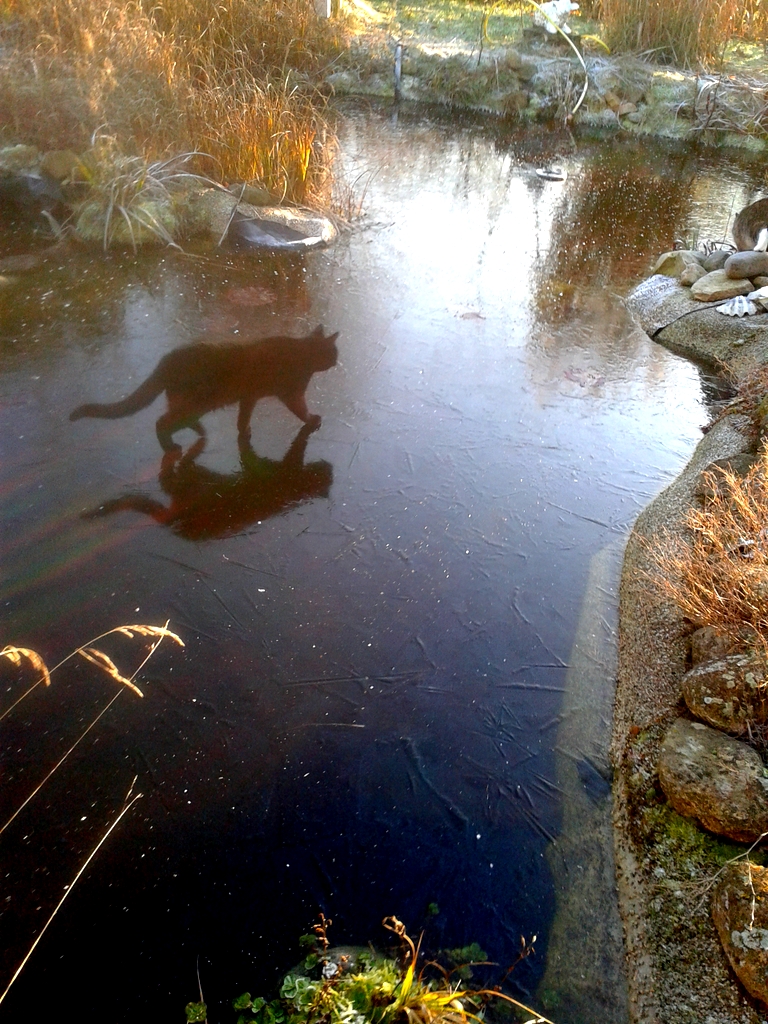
372 680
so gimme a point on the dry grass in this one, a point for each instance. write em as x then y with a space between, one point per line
20 655
718 574
688 34
16 655
231 78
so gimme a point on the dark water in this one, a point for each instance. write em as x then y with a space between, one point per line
378 624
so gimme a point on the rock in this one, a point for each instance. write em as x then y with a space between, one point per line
273 231
717 286
691 274
708 645
604 118
746 264
256 195
150 221
669 314
672 264
625 108
213 212
18 158
760 281
716 779
716 260
659 301
29 193
343 82
637 118
207 211
740 913
626 77
612 100
729 693
63 165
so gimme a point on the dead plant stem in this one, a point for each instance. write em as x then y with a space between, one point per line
70 887
82 736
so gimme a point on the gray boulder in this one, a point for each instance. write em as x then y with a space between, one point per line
716 779
666 311
717 260
740 913
216 212
746 264
729 693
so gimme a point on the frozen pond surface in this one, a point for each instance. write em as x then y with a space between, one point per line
364 718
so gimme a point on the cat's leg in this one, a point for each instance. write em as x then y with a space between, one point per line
244 419
297 403
169 423
294 457
164 428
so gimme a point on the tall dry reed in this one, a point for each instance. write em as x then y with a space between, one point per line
717 575
233 78
688 33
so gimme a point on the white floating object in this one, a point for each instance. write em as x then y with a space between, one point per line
760 295
552 173
739 306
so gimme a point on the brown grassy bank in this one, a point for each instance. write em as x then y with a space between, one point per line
231 78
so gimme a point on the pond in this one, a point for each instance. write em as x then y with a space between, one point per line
387 620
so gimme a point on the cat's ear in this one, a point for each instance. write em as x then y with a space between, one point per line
332 337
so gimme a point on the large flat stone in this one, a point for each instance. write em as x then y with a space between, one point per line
666 311
717 286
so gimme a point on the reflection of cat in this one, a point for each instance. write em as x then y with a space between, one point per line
750 229
205 504
199 378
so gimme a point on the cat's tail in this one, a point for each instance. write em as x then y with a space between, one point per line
143 396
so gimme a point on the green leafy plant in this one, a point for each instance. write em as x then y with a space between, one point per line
364 987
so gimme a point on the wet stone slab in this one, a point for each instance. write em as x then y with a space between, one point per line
667 313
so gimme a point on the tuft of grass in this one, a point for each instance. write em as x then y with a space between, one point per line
717 574
231 78
688 34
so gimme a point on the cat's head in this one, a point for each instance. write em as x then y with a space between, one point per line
324 351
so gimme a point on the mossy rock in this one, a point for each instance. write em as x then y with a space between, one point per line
145 221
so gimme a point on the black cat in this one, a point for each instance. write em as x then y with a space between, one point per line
199 378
